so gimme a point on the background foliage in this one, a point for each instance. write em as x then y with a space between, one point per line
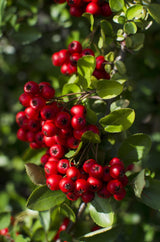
30 32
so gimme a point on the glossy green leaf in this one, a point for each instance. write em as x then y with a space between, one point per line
101 235
42 198
110 56
101 212
118 121
135 148
68 212
134 11
130 28
26 34
91 116
20 238
122 103
120 67
45 219
35 173
5 219
154 10
70 88
90 17
85 68
116 6
108 89
3 4
91 137
139 183
151 194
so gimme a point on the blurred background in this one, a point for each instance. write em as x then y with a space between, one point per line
30 32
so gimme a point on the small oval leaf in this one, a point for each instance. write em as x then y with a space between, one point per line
108 89
35 173
42 198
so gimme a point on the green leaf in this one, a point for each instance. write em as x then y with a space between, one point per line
101 212
85 68
70 88
33 155
106 33
110 56
26 34
68 212
20 238
151 194
120 67
45 219
100 236
91 116
108 89
118 120
130 28
5 219
154 11
134 11
139 183
42 198
116 6
137 41
122 103
3 4
135 148
35 173
91 137
90 17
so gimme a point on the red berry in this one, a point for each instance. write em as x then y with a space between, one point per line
34 145
78 122
75 47
57 151
31 88
74 58
100 62
44 159
106 174
105 10
94 184
116 161
66 185
74 2
43 84
93 8
30 136
104 193
120 195
93 128
25 99
49 141
31 113
4 232
21 134
33 125
50 168
88 164
81 186
55 59
22 120
37 103
79 132
73 173
72 143
48 112
63 165
96 170
64 56
87 52
39 138
124 180
117 171
47 92
72 196
114 186
76 11
63 120
78 110
87 197
49 129
53 182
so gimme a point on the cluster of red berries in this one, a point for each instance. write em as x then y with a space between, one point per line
67 59
49 124
95 7
85 181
